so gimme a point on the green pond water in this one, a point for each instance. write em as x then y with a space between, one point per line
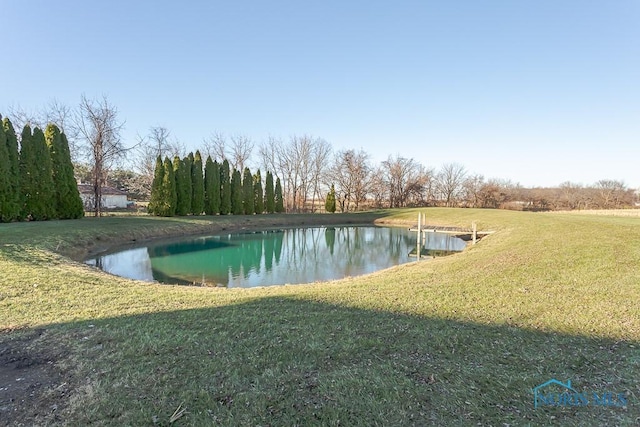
290 256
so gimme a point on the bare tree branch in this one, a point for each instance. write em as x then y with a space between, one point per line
215 147
241 149
402 177
99 129
350 173
21 117
449 182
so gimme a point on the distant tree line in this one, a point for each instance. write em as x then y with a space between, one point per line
308 169
36 175
183 187
604 194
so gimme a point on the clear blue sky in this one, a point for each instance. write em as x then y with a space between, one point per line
538 92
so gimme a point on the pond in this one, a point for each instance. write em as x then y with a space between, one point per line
277 257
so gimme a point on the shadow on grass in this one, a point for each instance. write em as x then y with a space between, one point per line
287 361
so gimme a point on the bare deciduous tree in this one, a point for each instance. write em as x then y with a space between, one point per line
293 161
350 173
241 150
420 191
611 193
99 128
268 154
472 190
21 117
62 115
155 143
378 187
237 150
215 147
570 195
321 154
449 182
307 158
494 193
300 164
401 176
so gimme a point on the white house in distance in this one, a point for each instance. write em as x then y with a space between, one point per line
111 197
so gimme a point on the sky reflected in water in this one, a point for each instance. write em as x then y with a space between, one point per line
290 256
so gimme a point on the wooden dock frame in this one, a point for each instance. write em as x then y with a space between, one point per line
422 228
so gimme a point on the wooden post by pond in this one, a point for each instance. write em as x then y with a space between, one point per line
474 232
419 239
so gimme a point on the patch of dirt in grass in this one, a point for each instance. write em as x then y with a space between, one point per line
33 389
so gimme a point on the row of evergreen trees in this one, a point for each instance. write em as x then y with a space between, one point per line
36 181
181 188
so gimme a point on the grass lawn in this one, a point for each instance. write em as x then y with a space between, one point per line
460 340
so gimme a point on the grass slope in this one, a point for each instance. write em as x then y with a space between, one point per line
452 341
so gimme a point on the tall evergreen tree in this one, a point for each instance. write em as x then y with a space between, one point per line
44 167
330 202
183 186
177 176
225 188
216 189
258 195
12 206
197 186
5 178
187 162
169 189
36 176
27 180
279 201
269 194
236 193
248 205
158 197
211 187
68 203
75 203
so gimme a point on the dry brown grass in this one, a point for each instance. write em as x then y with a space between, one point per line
604 212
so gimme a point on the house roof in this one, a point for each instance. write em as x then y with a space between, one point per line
106 191
554 381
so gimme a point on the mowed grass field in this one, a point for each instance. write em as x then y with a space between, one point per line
460 340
